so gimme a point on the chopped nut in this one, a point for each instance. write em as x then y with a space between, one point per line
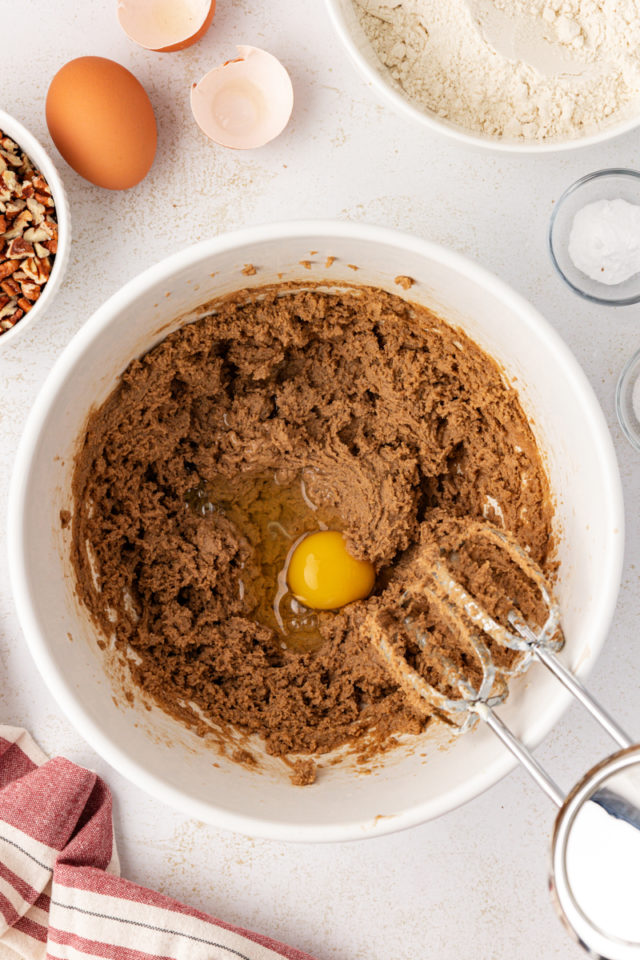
28 233
8 182
10 287
30 289
19 248
44 199
19 225
50 227
37 209
7 268
12 207
11 314
36 234
36 269
11 158
41 184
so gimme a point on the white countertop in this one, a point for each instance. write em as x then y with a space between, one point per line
472 883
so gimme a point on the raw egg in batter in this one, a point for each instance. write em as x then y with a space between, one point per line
323 575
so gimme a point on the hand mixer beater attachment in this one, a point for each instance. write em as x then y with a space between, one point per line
497 607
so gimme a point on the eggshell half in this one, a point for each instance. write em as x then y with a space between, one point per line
246 102
165 25
101 120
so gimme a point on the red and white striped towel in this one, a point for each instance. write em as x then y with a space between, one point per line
60 893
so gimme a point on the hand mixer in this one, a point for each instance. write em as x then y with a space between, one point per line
595 868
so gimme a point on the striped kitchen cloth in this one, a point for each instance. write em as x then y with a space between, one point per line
61 895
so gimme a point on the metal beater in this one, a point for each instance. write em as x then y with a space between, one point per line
595 851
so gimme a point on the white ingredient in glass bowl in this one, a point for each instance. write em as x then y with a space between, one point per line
523 69
604 242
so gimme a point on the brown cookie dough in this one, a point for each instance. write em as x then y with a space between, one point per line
384 418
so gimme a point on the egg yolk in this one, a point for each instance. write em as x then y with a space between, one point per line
323 575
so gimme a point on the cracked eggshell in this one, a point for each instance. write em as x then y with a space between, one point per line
246 102
165 25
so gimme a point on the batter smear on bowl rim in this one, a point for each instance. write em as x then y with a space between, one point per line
278 414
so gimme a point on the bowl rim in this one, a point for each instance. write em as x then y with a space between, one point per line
431 121
571 189
63 691
34 149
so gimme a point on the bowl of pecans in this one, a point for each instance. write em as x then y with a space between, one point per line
35 229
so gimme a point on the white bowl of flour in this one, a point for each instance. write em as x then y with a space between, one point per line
515 75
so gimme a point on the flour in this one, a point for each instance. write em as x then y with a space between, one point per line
524 69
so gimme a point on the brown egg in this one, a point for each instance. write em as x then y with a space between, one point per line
101 120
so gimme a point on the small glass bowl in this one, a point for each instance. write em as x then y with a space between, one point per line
628 391
601 185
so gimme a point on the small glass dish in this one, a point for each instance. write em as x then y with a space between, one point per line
628 400
601 185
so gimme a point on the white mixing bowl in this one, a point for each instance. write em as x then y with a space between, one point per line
348 27
419 780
